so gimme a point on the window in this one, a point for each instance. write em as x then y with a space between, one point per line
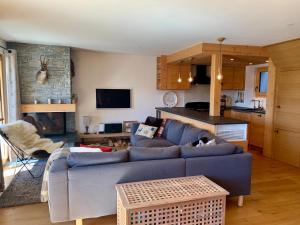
261 82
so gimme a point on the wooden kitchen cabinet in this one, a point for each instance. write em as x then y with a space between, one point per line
257 130
256 125
167 75
233 78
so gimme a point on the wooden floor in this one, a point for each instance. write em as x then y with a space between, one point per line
275 200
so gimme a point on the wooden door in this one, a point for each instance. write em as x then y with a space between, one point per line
287 117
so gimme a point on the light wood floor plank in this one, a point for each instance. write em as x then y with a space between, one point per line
275 200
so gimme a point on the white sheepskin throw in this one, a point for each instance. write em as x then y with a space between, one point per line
24 136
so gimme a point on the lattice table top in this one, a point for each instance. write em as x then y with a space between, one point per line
165 191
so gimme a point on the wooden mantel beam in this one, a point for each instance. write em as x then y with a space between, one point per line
210 49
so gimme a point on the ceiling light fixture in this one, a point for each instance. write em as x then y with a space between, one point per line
232 59
220 40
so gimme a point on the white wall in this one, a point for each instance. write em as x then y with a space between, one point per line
2 43
249 92
197 93
108 70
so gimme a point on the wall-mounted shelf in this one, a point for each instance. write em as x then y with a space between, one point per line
33 108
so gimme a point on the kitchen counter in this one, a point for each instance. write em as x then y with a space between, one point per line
202 116
245 109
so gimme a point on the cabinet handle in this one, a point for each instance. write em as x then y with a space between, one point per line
278 107
259 115
276 131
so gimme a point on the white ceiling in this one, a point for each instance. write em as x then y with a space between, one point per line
150 27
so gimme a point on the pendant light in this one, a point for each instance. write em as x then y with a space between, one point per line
179 80
190 79
220 75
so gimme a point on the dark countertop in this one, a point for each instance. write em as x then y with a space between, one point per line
246 110
202 116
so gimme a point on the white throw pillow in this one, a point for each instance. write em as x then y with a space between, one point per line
211 142
145 130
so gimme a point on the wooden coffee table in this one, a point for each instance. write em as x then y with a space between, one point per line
177 201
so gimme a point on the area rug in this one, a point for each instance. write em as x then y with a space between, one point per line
24 189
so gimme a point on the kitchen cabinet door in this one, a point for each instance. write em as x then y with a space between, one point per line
238 78
227 81
257 130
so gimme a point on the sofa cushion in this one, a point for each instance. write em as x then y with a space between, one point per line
173 131
145 130
155 142
215 150
96 158
154 122
134 139
143 153
190 134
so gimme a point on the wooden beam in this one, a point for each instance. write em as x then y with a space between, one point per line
215 86
209 49
240 50
185 53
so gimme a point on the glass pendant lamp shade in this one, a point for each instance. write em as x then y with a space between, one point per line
190 79
179 80
220 75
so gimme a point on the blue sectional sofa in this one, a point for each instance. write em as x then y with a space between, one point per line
83 184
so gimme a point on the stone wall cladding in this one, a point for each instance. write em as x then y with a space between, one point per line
58 85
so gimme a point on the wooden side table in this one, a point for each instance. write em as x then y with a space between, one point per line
83 137
185 200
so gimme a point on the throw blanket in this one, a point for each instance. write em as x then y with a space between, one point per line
23 135
56 154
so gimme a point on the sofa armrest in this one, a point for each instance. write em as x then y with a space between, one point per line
58 191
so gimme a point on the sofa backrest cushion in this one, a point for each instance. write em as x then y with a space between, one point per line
154 153
173 131
191 134
79 159
214 150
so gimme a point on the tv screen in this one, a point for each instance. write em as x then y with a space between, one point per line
112 98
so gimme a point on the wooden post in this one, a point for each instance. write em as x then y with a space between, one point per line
268 137
241 201
215 86
79 222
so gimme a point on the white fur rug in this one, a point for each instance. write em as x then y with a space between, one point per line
24 136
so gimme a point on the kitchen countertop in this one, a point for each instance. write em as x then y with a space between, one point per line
245 109
202 116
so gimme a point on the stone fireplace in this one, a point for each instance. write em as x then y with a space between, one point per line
58 86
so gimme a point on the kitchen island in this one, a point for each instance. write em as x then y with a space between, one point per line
232 130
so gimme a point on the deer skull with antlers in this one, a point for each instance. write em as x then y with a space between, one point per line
42 74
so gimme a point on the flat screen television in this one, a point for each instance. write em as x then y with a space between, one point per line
113 98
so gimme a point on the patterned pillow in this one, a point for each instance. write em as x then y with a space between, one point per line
145 130
161 128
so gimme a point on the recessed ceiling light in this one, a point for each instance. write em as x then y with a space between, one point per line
250 63
232 59
267 61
